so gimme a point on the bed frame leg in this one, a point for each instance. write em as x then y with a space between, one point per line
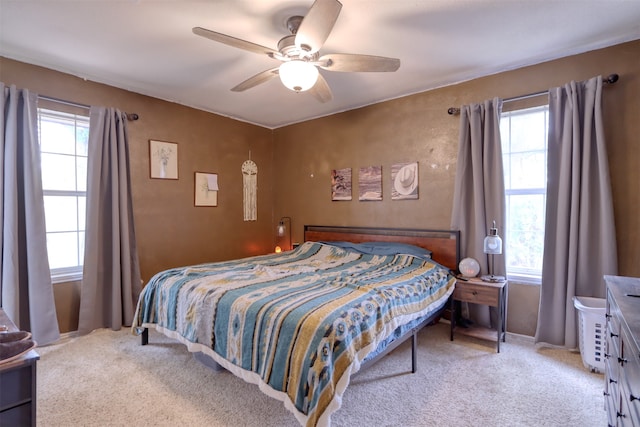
144 337
414 345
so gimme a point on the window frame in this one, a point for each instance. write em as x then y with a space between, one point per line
73 273
525 275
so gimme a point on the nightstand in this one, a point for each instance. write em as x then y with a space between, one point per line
477 291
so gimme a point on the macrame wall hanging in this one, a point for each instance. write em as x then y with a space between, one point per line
250 189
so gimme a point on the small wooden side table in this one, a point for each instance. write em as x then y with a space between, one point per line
18 390
477 291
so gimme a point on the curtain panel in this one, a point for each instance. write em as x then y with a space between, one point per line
111 275
478 197
580 237
26 292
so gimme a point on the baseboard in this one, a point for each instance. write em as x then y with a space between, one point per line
68 335
519 337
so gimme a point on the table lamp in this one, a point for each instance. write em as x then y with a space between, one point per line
492 246
282 229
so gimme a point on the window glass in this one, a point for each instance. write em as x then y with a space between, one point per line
61 213
57 135
82 210
528 130
82 139
63 250
58 172
81 173
527 170
525 229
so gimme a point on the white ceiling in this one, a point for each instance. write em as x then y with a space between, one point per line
147 46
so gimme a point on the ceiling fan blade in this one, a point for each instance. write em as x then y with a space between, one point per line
321 90
259 78
234 42
317 25
354 62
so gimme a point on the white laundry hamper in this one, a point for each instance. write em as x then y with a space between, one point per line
591 326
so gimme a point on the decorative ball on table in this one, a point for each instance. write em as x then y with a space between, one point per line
469 267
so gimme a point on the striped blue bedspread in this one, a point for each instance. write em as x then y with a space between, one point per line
298 323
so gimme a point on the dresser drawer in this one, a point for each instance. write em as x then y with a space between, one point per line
612 377
477 294
17 416
613 331
630 375
613 343
16 386
611 406
626 416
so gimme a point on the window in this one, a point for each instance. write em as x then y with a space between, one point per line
63 145
524 153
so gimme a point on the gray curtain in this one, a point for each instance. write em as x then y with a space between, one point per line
478 197
111 274
580 237
26 291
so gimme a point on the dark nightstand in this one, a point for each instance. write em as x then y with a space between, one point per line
477 291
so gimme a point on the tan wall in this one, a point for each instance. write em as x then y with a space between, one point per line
67 301
297 165
170 230
418 128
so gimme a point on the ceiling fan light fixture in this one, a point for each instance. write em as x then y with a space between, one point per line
298 75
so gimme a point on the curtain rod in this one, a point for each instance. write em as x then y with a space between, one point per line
611 79
130 116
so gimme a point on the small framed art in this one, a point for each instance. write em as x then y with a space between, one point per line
341 184
404 181
206 189
163 159
370 183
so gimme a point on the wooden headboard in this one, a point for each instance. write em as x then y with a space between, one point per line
444 244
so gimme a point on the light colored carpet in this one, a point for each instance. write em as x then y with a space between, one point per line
108 379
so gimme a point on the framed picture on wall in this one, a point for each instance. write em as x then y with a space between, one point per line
404 181
163 159
370 183
341 184
206 189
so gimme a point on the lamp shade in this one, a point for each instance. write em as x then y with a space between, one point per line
493 242
298 75
281 229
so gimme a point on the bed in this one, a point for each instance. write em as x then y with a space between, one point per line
300 323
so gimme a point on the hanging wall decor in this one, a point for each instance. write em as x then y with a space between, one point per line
206 189
163 159
370 183
404 181
250 190
341 184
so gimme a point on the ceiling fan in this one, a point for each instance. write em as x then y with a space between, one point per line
299 54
